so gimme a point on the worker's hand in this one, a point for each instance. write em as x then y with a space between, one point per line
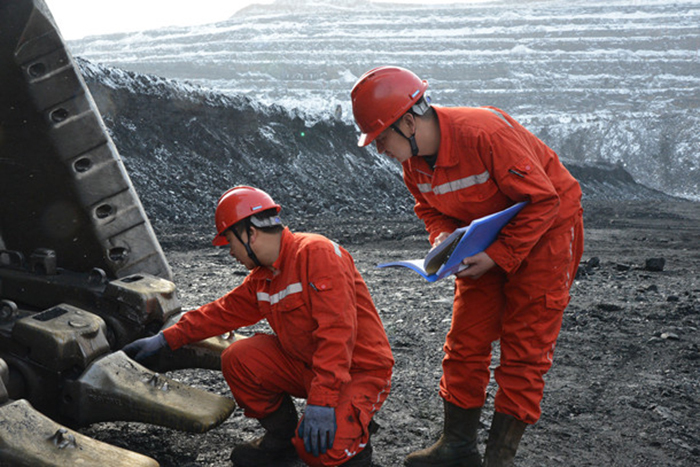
141 349
317 429
477 265
440 238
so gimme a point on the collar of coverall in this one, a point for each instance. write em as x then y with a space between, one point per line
287 237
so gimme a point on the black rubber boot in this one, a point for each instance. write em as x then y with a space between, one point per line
504 437
276 444
457 447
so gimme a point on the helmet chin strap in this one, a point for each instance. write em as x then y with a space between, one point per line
411 139
248 249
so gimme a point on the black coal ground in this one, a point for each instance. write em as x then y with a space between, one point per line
625 386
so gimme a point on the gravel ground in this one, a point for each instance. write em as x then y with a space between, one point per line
624 389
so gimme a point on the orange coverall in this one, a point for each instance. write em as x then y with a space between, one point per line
329 344
487 162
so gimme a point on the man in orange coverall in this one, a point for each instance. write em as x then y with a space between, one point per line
461 164
329 345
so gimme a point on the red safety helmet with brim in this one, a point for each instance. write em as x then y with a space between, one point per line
381 96
237 204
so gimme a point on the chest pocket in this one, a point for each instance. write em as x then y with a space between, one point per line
289 303
466 198
475 189
294 318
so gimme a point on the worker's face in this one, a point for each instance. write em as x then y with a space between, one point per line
238 250
394 145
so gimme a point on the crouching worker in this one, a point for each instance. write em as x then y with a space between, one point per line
329 345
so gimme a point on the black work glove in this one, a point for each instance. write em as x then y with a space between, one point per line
317 429
141 349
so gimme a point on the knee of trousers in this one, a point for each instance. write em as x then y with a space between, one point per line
246 363
232 365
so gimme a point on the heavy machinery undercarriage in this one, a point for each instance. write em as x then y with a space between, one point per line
81 271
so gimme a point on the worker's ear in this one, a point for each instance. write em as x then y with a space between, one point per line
252 234
410 121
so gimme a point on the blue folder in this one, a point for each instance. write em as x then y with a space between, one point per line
446 258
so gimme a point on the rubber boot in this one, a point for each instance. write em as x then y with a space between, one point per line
275 444
504 437
457 447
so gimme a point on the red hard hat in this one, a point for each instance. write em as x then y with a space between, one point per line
381 97
236 204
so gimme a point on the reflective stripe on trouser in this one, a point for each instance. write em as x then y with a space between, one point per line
259 372
524 310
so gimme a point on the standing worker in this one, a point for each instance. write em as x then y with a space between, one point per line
461 164
329 345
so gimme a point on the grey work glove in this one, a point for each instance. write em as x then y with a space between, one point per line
141 349
317 429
